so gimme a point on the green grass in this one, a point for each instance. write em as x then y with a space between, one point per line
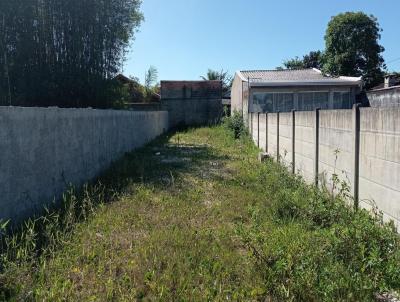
195 217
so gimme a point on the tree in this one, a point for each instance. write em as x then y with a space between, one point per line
223 76
150 78
152 87
352 47
64 53
314 59
295 63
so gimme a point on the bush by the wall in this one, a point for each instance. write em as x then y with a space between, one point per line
236 124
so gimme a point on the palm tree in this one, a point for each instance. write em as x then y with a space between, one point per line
223 76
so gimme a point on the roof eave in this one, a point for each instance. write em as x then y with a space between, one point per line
240 75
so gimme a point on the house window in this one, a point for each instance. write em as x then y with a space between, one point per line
262 102
313 100
283 102
341 100
272 102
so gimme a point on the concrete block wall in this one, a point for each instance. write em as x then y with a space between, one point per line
42 150
361 146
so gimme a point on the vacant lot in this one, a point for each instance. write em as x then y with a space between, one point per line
195 217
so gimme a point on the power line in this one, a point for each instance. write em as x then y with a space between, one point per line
394 60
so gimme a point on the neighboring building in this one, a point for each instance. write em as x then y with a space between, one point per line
387 94
285 90
192 102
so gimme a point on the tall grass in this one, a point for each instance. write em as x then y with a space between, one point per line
311 245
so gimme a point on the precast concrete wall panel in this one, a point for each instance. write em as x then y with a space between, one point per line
43 150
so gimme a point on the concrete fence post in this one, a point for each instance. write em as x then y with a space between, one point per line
356 153
316 147
266 132
277 136
293 141
251 124
258 129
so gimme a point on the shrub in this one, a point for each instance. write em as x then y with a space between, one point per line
236 124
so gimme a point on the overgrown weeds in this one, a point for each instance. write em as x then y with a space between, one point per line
196 217
312 246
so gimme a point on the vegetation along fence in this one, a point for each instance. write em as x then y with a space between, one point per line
359 148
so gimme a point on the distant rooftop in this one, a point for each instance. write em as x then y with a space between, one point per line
295 76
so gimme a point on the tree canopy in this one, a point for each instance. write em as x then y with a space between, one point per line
314 59
223 76
64 53
352 47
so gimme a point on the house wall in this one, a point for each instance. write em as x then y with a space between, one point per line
335 142
240 96
236 94
45 149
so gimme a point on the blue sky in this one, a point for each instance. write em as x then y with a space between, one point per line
183 38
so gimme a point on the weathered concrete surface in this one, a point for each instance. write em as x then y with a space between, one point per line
263 132
386 97
254 131
380 160
272 134
285 138
304 145
42 150
192 103
335 148
193 112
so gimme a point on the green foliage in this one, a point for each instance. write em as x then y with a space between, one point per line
64 53
236 124
223 76
314 59
352 47
152 88
317 248
295 63
195 217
